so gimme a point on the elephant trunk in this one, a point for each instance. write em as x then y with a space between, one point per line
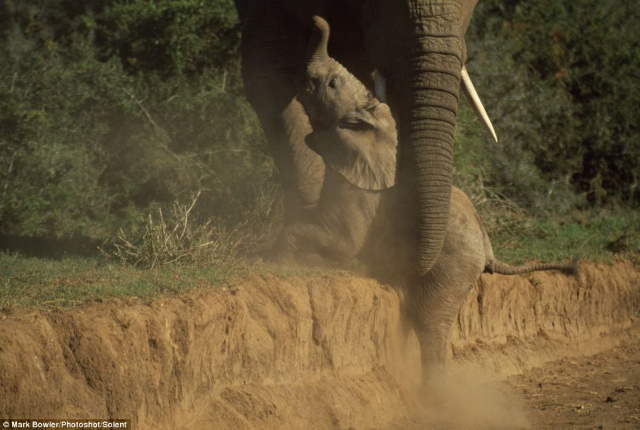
435 63
319 42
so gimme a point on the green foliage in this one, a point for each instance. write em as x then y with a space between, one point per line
53 111
171 37
559 79
112 107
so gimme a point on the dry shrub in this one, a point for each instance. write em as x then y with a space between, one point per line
500 215
261 224
175 238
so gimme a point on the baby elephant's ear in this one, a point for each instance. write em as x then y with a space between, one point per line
362 148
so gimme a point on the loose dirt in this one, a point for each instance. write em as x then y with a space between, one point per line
332 352
594 392
600 391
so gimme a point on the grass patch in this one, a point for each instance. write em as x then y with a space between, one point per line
72 281
167 252
31 282
44 283
589 235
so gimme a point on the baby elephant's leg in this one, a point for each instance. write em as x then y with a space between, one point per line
308 242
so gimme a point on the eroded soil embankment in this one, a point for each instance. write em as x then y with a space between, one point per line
278 353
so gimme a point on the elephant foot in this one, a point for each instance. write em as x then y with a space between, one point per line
434 370
433 337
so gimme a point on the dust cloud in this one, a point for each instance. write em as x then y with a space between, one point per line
472 399
469 397
465 401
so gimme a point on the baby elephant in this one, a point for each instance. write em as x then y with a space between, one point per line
356 136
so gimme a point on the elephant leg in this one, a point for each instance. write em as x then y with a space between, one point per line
301 170
439 294
314 244
434 312
272 61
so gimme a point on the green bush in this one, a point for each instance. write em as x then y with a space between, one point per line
54 108
171 37
560 81
110 108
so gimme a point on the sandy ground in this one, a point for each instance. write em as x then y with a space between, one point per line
330 352
597 392
600 391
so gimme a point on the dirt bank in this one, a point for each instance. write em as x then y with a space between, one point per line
272 353
513 322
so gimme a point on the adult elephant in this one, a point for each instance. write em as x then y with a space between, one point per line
419 48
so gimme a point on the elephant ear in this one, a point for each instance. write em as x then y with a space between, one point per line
362 148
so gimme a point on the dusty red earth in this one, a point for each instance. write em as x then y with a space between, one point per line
333 352
600 391
592 392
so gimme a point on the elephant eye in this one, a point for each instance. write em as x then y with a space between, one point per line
333 82
310 85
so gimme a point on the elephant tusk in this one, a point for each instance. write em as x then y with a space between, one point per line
472 94
380 86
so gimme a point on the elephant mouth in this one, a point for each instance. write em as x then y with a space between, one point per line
317 113
317 119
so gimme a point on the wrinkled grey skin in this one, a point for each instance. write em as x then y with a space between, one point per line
419 47
355 134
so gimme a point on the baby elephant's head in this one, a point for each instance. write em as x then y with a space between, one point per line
353 131
330 91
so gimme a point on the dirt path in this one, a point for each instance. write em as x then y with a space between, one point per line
597 392
590 392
